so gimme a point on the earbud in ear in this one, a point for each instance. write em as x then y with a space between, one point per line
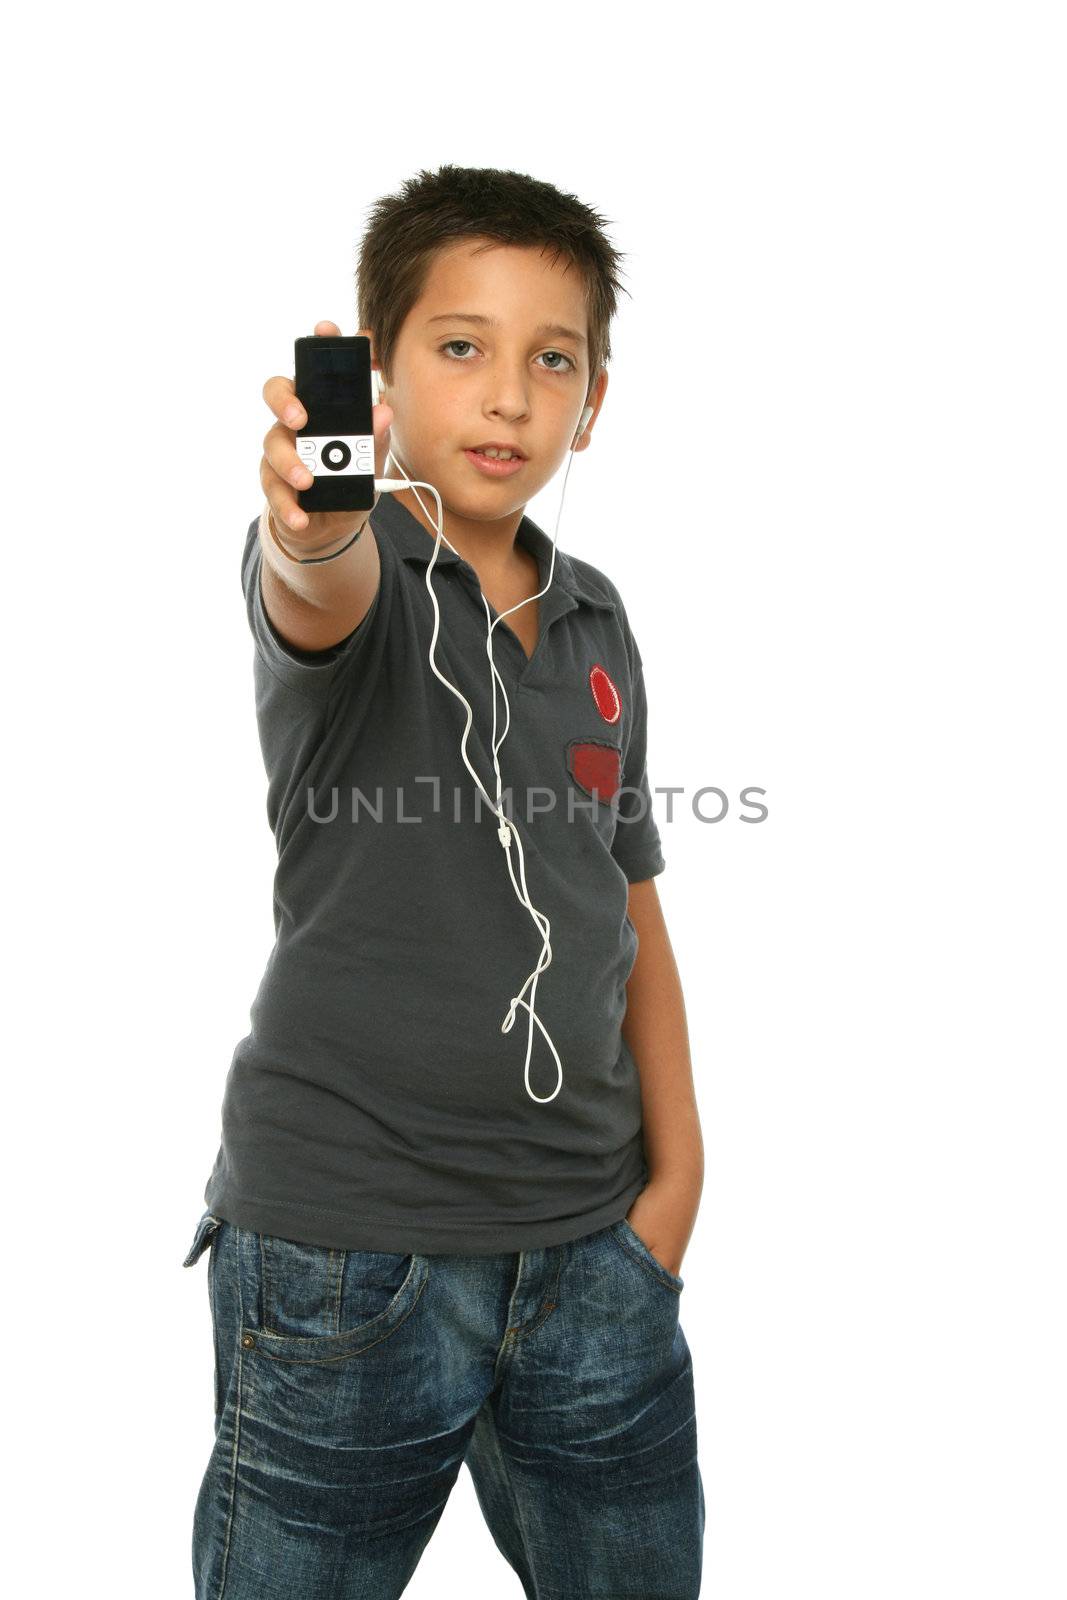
582 420
376 386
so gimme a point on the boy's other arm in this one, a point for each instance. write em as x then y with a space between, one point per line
657 1034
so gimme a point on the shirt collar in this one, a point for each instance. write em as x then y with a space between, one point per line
414 543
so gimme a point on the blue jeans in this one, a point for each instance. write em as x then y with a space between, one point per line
351 1385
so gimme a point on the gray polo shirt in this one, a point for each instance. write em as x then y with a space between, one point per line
375 1103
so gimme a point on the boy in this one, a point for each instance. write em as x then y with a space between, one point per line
420 1256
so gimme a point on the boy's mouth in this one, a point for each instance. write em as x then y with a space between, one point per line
497 447
494 465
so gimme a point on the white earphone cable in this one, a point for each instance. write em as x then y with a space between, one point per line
506 831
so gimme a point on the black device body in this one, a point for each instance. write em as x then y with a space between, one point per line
332 383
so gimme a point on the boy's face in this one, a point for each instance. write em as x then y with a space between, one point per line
516 377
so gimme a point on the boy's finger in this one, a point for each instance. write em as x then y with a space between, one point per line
279 451
281 397
327 330
281 498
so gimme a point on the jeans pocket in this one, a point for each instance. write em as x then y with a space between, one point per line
320 1304
634 1246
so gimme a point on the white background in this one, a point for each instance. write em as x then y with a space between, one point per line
828 480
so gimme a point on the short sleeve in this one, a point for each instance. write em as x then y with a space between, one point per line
637 847
313 673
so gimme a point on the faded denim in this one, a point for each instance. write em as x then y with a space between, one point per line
350 1386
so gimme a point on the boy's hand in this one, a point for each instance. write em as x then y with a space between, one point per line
282 473
662 1217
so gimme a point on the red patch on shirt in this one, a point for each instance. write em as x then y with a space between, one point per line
605 695
596 768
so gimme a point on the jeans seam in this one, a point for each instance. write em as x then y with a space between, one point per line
238 1403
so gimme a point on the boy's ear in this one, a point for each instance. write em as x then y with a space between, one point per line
377 375
596 400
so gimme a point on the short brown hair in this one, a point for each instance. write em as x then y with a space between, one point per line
433 208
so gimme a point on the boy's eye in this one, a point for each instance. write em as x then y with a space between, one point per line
562 357
571 364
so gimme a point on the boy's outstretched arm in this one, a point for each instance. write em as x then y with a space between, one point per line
656 1032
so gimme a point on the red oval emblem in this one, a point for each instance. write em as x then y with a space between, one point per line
605 694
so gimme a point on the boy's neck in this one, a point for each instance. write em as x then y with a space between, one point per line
489 547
